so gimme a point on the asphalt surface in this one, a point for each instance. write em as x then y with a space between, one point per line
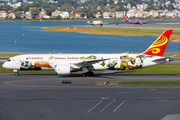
44 97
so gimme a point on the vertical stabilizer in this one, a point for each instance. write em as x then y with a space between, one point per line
159 46
126 19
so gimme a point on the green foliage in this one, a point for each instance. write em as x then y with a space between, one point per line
150 8
49 11
18 14
67 7
170 7
34 12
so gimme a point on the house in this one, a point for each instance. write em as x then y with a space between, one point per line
1 4
28 15
128 6
16 5
138 14
107 15
77 14
115 1
113 14
3 14
130 13
11 15
30 2
97 15
62 14
145 14
42 13
120 14
55 14
161 13
153 13
46 16
176 13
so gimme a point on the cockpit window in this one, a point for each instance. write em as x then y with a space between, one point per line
9 60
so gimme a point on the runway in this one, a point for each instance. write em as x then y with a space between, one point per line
44 97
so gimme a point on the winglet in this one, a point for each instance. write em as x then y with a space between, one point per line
159 46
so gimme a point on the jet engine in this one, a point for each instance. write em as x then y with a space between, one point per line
63 69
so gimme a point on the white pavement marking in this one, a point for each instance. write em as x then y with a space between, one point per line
122 104
94 106
108 105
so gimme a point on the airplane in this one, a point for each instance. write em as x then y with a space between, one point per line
140 22
94 23
64 64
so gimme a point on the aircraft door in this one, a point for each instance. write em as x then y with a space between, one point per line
18 60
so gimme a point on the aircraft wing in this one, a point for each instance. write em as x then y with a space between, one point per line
142 21
89 62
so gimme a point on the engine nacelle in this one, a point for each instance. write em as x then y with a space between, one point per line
63 69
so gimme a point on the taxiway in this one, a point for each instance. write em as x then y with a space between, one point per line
44 97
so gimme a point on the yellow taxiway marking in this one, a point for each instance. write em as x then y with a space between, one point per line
41 92
81 92
151 89
162 100
48 110
123 92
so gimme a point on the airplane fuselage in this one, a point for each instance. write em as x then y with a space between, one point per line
109 61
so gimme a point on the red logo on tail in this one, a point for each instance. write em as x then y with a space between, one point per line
159 46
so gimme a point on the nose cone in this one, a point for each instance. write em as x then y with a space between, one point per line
5 65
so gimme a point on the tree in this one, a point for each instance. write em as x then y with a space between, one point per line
90 14
18 14
150 8
11 1
45 6
170 7
49 11
83 14
67 7
34 12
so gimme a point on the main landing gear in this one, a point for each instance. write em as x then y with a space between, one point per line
87 74
16 72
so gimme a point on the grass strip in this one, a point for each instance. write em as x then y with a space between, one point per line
114 31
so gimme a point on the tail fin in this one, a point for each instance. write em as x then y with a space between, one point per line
159 46
126 19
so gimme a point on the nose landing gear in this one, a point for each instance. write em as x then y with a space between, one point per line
16 72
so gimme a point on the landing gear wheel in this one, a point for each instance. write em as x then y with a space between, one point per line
84 74
16 74
87 74
91 73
